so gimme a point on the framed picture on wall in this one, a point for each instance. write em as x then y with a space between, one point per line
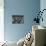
17 19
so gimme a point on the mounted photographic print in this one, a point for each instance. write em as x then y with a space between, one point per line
17 19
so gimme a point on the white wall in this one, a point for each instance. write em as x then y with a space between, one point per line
1 20
43 6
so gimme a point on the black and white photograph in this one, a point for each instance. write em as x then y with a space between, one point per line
17 19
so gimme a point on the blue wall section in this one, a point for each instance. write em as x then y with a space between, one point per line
13 32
